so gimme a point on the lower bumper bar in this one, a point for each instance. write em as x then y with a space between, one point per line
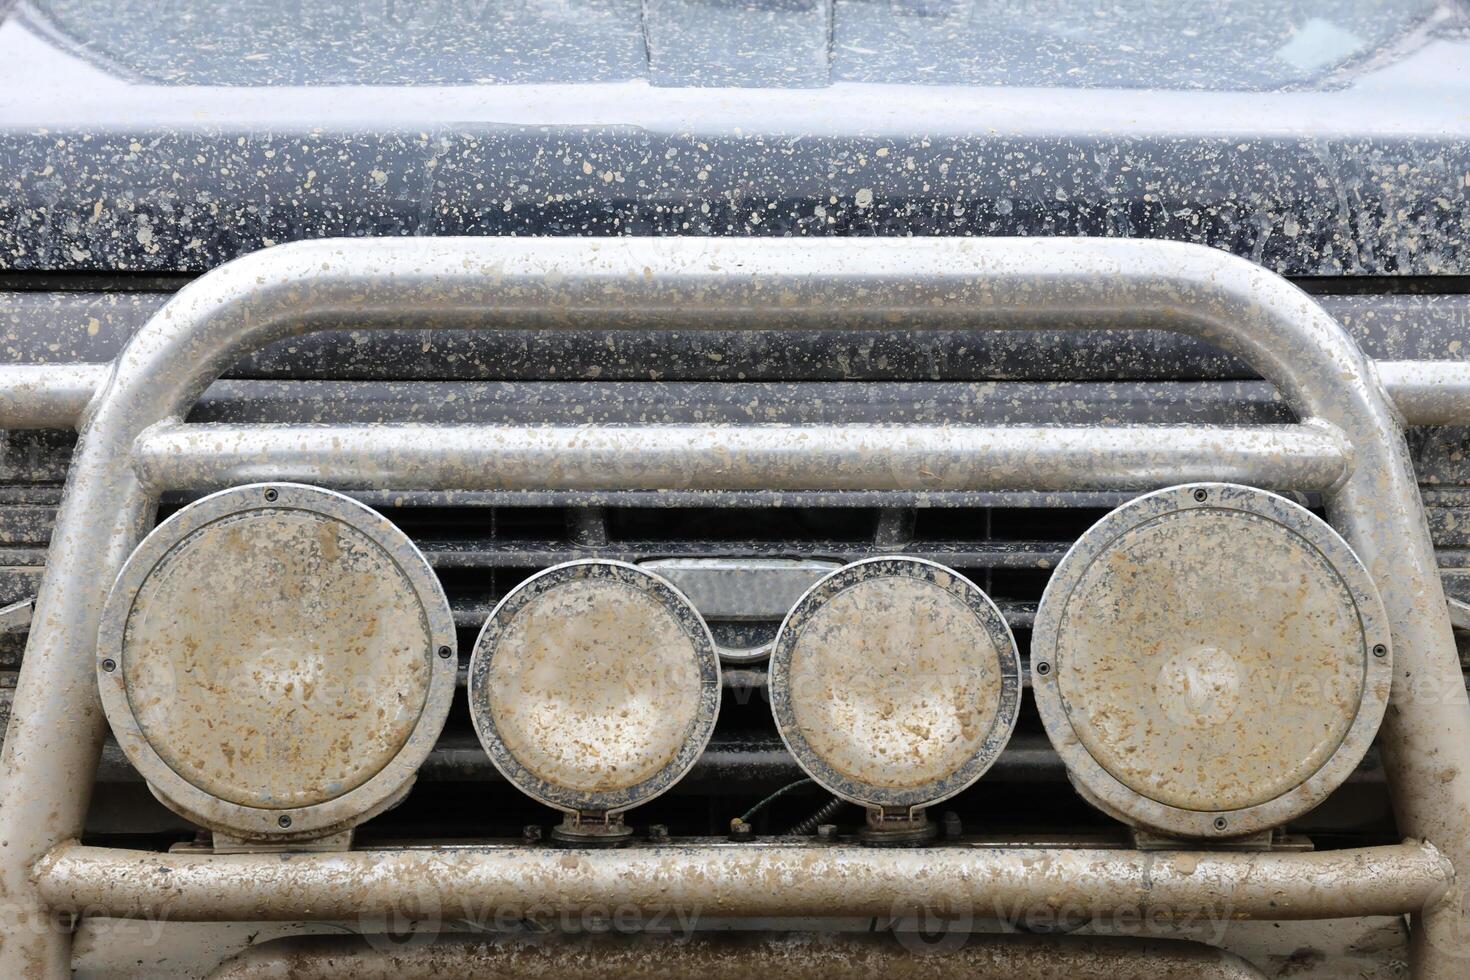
749 880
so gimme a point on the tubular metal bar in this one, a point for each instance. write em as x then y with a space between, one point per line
738 957
47 396
52 396
738 457
754 880
1428 392
56 728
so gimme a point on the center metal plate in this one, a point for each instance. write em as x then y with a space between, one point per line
594 686
1210 660
895 682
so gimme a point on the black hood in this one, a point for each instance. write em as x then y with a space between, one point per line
1319 137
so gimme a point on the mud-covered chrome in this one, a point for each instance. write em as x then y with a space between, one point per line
1349 444
896 683
593 687
1210 661
277 660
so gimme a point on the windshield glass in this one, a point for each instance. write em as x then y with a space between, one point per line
1159 44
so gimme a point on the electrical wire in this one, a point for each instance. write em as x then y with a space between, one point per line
745 817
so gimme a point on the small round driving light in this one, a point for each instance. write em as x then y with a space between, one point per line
1210 661
594 686
268 661
895 683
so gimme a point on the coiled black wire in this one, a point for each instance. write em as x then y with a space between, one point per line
809 826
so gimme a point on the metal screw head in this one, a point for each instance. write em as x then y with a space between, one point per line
109 665
1221 823
740 830
531 833
1379 650
284 821
1201 495
445 653
827 832
1043 668
659 833
271 495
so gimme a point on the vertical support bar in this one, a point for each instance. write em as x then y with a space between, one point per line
1380 513
56 726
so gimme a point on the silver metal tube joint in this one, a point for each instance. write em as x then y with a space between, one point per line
748 880
738 457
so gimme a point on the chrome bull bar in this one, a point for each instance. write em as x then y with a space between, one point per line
134 445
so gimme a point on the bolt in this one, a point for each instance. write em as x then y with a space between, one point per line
531 833
827 832
952 826
658 833
740 830
109 665
445 653
1220 823
1201 495
271 495
284 821
1379 650
1043 668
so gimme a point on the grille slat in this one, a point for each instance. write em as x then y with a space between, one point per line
537 554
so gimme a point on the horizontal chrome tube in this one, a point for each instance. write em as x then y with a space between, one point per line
738 457
47 396
52 396
738 957
748 880
1428 392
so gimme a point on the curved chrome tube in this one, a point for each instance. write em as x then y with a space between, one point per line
56 730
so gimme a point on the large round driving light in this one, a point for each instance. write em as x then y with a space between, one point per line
594 686
895 683
277 660
1210 661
